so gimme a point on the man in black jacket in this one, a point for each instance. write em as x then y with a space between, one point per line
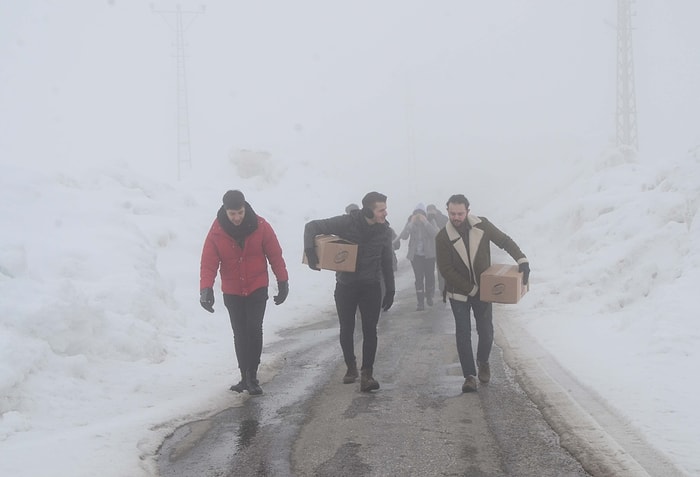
369 229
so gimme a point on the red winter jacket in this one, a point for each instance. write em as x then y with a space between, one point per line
242 270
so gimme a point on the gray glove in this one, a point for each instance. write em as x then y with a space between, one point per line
206 299
283 288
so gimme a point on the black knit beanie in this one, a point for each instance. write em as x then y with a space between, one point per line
234 200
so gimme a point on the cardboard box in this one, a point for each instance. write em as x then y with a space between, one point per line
335 253
502 284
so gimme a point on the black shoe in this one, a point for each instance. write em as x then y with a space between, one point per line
484 373
252 382
240 387
469 385
367 382
351 375
254 388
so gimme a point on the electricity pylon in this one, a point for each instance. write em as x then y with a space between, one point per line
626 97
184 155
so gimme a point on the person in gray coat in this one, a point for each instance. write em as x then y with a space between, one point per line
421 233
440 220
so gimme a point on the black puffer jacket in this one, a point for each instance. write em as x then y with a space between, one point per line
374 251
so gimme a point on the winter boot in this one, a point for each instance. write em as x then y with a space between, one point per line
242 384
429 299
420 296
469 385
484 372
252 382
351 374
367 382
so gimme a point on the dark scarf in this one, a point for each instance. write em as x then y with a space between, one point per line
463 230
238 232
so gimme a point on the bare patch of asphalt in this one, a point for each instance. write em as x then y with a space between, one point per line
525 422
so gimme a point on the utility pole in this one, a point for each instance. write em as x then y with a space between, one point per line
182 20
626 96
411 137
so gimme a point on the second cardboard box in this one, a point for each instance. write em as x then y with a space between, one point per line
502 284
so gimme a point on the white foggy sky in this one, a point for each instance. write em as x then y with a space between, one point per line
449 83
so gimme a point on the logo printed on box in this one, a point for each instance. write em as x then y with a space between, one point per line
334 253
341 256
502 284
498 289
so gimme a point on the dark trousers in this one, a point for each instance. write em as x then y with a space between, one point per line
246 314
424 272
483 316
368 298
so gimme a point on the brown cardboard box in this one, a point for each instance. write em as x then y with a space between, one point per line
335 253
502 284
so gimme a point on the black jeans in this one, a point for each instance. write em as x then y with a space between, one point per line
246 314
368 297
483 316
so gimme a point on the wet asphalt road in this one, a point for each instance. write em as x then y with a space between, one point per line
307 423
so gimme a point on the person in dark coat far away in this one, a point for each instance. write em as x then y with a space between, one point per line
361 289
239 245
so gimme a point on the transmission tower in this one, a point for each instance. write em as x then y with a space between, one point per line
626 97
182 20
411 137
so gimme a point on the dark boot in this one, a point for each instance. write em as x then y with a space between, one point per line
420 296
367 382
242 384
252 382
484 373
352 374
469 385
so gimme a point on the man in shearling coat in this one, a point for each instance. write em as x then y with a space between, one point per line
463 252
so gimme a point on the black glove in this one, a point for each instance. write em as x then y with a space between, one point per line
312 258
388 300
206 299
525 269
283 288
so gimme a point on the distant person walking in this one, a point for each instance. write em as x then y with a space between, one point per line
421 232
440 220
463 253
361 289
240 244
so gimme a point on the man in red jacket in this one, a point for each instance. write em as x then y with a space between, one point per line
239 245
